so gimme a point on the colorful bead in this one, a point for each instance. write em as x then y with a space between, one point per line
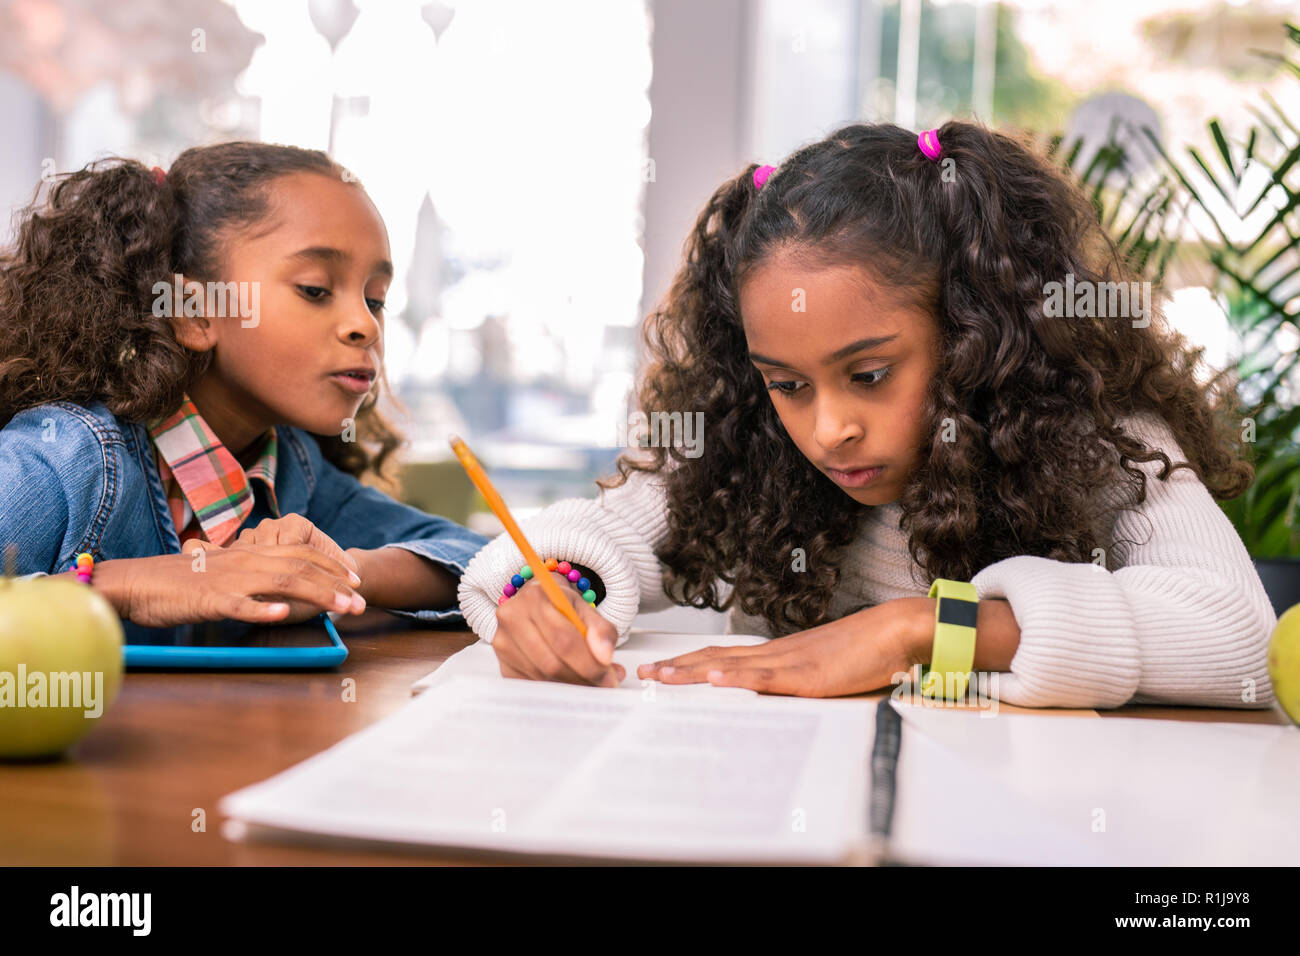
84 558
563 567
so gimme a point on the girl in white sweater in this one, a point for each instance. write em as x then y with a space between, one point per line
912 359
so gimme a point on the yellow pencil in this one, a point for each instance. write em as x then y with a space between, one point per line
498 506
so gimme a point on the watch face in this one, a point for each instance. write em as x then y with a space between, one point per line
959 612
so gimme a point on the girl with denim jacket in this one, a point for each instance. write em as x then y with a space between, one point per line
189 372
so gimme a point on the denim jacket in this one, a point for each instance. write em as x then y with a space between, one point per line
76 478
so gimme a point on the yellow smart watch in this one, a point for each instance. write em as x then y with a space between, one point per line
953 656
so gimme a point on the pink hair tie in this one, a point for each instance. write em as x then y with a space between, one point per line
929 143
761 174
159 175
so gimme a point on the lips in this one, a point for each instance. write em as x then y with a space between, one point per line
855 477
360 372
850 469
356 380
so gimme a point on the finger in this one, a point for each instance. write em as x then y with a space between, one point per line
589 657
314 536
507 671
242 607
346 577
602 636
269 532
299 579
702 656
511 665
532 644
319 539
518 632
505 644
765 680
697 673
571 648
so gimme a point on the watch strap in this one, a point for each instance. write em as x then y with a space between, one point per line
953 655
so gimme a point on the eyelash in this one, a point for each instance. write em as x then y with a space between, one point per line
377 307
883 372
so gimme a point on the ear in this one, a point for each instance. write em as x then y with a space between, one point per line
185 304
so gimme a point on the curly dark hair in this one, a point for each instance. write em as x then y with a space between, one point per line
1035 400
76 290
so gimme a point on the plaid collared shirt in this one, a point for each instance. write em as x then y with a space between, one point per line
208 491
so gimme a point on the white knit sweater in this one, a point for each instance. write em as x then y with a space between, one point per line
1184 620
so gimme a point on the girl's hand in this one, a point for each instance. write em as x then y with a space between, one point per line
536 641
262 584
295 529
858 653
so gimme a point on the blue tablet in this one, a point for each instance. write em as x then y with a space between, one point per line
235 645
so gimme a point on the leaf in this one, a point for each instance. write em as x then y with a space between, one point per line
1216 130
1196 155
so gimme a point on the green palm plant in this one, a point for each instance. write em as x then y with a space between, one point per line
1248 193
1140 213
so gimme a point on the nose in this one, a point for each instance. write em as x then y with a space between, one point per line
835 422
360 327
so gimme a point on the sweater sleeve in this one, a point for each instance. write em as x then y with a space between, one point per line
1184 620
615 535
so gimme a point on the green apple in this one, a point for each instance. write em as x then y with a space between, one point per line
1284 662
60 664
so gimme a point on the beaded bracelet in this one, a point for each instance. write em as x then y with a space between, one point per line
582 583
84 566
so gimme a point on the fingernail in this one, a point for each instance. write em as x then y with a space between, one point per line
354 578
358 603
666 670
342 601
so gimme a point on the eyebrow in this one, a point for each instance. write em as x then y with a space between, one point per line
332 256
860 345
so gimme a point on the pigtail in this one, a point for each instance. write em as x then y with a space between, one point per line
702 300
700 366
701 303
92 252
1004 225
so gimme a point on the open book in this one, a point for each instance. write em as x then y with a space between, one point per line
653 773
694 773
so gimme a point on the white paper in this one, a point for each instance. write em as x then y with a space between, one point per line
540 767
1016 788
641 647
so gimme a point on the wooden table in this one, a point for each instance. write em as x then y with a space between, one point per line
143 788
